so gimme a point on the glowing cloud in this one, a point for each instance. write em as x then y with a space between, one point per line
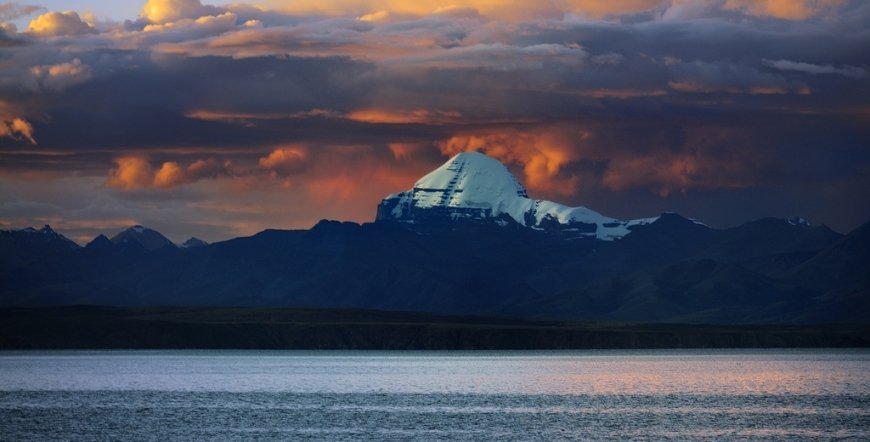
285 160
374 10
170 174
404 151
61 76
135 173
542 155
53 24
130 173
416 116
207 23
165 11
17 128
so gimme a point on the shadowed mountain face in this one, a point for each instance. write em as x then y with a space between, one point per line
666 268
138 236
670 270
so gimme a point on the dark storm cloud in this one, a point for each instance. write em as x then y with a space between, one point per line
653 110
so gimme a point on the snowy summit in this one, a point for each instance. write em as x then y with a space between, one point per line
472 186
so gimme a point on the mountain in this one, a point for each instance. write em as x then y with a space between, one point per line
31 243
473 187
100 243
143 237
467 240
193 242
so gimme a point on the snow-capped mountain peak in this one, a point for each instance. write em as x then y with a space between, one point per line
147 238
472 186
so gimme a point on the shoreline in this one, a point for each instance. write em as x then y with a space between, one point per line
240 328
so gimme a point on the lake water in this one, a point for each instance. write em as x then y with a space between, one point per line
586 395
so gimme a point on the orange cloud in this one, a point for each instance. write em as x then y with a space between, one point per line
783 9
404 151
52 24
503 9
541 154
135 173
18 129
709 158
61 76
215 23
285 160
666 173
170 174
416 116
350 182
130 173
546 156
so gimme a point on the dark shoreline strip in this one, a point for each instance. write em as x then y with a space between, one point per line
95 327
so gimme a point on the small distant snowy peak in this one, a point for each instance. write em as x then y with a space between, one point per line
798 221
45 230
474 187
149 239
193 242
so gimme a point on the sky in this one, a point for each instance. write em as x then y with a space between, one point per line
219 120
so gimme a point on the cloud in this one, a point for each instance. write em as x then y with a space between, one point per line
542 155
237 117
60 76
170 174
285 160
500 56
566 160
729 78
12 11
668 172
505 9
166 11
784 9
204 25
405 151
416 116
130 173
53 24
816 69
137 173
17 129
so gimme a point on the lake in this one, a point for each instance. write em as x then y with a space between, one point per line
353 395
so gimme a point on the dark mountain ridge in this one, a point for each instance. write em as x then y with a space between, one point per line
467 239
670 270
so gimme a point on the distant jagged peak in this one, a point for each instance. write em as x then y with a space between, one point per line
149 239
45 235
100 242
45 230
